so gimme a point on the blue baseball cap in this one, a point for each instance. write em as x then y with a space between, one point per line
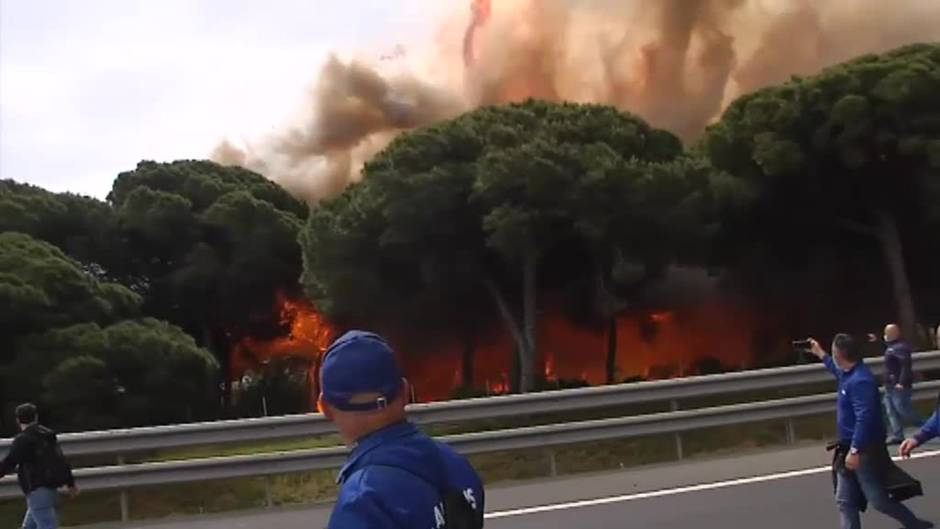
357 363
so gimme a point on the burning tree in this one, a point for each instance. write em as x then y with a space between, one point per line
471 209
850 157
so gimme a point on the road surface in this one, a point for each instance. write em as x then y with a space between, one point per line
771 490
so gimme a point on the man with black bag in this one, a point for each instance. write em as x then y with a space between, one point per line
41 469
862 469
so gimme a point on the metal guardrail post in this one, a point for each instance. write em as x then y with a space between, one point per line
791 431
268 498
125 506
552 463
674 406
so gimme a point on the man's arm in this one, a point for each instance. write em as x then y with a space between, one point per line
12 460
931 429
831 365
827 360
865 399
906 377
360 509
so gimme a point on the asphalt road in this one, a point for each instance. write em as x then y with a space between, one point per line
770 490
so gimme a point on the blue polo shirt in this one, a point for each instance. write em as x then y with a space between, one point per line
858 411
393 480
931 428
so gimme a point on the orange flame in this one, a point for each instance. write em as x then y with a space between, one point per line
308 337
480 15
659 344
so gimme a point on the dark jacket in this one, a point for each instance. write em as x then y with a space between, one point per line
22 458
858 411
898 365
393 480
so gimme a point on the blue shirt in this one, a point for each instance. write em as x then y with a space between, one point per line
931 428
393 479
858 411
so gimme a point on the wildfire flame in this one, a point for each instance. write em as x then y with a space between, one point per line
480 15
651 344
309 335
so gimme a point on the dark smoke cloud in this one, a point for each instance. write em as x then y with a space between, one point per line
677 63
352 112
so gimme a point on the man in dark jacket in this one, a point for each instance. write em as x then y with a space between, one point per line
396 476
41 470
861 477
898 382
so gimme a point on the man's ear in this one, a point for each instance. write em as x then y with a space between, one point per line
408 391
324 408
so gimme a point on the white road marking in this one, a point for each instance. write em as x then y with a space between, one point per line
672 492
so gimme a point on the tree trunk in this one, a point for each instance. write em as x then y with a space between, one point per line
466 361
890 240
523 334
528 374
511 324
611 349
225 365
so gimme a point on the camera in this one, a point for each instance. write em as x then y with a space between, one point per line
803 345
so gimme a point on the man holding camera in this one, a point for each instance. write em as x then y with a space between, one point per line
862 459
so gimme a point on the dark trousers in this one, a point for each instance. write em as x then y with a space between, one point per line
900 411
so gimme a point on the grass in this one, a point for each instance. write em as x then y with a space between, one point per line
319 486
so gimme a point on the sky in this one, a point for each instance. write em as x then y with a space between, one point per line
88 88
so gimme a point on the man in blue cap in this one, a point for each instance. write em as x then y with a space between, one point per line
396 476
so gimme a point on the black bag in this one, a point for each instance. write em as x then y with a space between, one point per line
901 485
458 512
49 469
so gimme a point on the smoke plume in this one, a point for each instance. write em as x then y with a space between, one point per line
677 63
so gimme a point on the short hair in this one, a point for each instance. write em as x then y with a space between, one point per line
848 346
26 413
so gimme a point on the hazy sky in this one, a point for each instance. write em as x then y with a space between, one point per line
90 87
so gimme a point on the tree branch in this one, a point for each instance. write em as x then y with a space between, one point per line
857 227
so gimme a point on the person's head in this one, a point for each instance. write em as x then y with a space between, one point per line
846 351
362 388
892 332
26 415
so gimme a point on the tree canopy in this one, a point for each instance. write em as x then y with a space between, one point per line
479 205
70 342
82 227
849 155
211 245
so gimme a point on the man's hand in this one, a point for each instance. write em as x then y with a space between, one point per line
907 447
899 387
852 461
72 491
816 349
872 338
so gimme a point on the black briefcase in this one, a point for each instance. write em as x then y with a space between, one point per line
901 485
